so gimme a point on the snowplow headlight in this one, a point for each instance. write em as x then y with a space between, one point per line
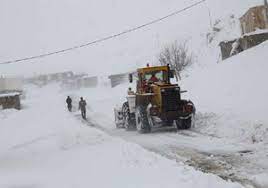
177 89
162 90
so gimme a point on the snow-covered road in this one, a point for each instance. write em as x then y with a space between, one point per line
230 159
43 145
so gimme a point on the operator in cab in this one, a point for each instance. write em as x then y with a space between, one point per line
153 78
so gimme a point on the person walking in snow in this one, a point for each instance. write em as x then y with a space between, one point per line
69 103
82 107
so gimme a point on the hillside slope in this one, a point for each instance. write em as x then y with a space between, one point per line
234 89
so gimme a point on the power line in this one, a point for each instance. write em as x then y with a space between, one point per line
104 38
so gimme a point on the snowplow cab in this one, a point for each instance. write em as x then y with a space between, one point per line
152 75
152 82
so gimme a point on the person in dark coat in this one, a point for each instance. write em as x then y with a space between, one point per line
82 107
69 103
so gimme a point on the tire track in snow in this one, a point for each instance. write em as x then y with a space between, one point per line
217 164
31 142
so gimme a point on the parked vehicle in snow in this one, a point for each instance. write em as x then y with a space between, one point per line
156 102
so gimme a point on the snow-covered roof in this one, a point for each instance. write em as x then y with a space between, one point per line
11 94
259 31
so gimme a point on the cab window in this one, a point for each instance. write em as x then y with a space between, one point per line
160 75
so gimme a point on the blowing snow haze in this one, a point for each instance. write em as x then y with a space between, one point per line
34 27
147 134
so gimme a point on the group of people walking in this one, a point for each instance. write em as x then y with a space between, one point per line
82 106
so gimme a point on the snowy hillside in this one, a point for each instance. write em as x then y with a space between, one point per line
235 92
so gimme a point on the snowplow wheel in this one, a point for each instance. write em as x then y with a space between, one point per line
128 119
184 123
142 122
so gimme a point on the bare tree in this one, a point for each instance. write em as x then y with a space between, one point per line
177 56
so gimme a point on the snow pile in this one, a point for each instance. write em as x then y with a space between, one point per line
224 29
235 91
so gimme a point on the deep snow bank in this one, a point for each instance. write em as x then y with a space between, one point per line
236 91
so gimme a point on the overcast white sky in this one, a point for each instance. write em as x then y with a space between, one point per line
31 27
